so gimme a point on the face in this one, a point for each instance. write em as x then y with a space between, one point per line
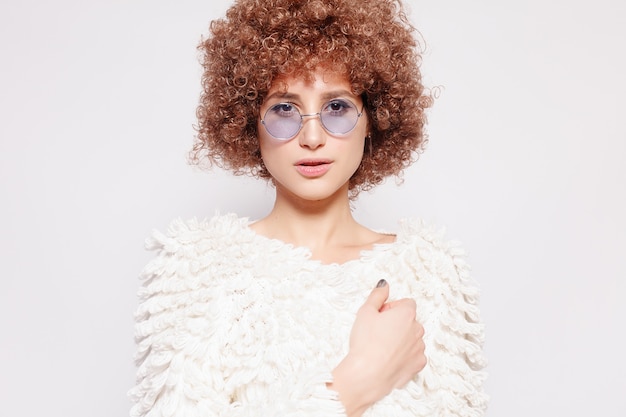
316 161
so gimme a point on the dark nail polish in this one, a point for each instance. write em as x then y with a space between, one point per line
381 283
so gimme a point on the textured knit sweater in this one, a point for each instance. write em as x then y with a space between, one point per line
231 323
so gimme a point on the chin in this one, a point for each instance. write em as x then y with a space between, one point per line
309 192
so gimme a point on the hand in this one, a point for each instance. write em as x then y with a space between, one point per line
386 351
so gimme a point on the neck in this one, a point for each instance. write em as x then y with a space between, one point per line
313 224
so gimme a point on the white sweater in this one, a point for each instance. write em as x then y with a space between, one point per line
231 323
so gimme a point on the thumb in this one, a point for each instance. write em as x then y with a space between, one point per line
379 295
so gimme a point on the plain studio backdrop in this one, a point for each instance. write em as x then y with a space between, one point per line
525 166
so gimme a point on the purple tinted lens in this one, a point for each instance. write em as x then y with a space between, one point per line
339 116
283 120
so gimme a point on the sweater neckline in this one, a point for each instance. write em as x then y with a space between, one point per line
305 253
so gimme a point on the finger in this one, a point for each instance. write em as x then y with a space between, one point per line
379 295
385 307
391 304
408 303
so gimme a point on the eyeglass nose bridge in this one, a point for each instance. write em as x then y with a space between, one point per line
318 115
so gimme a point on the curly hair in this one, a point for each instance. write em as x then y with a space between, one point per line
371 41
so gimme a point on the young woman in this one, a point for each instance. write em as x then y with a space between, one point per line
291 315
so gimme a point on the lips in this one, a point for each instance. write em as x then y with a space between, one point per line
313 167
313 162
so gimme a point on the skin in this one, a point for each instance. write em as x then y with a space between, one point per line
386 346
386 352
315 211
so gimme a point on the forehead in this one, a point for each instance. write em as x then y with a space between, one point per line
320 80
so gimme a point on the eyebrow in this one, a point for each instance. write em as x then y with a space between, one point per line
325 96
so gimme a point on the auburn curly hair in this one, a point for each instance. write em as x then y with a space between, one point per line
371 41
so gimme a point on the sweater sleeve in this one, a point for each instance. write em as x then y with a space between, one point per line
460 342
454 377
189 364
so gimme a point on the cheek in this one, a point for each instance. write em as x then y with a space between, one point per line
360 150
273 154
265 144
359 143
355 148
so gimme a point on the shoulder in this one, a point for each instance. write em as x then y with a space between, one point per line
190 246
418 231
438 259
427 245
193 260
199 234
188 275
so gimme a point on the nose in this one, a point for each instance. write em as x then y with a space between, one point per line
312 135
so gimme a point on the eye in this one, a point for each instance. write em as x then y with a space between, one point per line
284 110
337 107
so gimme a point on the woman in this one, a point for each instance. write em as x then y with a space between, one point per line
292 315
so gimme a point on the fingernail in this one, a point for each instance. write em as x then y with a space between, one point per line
381 283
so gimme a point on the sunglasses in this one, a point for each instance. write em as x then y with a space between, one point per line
283 121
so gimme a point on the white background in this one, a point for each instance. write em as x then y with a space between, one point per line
525 166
